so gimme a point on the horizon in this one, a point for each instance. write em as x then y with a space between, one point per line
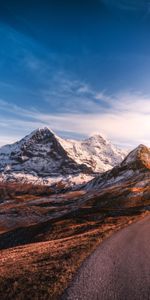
70 139
78 68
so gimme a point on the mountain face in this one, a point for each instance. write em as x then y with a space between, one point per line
96 152
42 156
134 168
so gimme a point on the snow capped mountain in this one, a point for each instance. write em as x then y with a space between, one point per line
44 157
134 168
96 152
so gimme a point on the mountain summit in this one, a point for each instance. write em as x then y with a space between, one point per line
96 152
138 158
43 155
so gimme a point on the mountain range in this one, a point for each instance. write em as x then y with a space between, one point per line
42 157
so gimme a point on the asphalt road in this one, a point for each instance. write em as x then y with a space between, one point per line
119 269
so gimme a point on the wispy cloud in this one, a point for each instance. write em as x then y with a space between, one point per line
64 94
126 121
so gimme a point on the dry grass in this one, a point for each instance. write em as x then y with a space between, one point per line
42 270
54 250
13 190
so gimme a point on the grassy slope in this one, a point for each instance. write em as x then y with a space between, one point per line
44 266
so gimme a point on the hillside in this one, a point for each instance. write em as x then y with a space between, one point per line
134 168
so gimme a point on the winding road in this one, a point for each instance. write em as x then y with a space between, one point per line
119 269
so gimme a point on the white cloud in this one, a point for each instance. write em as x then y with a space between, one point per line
126 121
67 95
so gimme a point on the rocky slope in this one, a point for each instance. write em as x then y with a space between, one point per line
134 168
43 157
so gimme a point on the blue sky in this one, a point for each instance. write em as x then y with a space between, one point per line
79 67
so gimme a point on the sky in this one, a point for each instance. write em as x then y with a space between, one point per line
78 67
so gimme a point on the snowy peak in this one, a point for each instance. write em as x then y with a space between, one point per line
45 155
96 139
39 135
39 153
96 152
